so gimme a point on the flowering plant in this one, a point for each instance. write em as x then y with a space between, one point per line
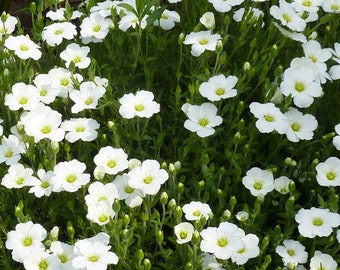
171 134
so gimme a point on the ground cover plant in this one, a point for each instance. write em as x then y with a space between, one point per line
171 134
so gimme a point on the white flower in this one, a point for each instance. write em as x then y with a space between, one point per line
43 122
292 35
269 117
316 222
253 13
47 91
93 253
183 232
281 184
100 212
23 47
338 235
195 210
133 196
41 260
45 185
322 261
202 119
223 5
18 176
208 20
104 8
201 41
80 129
292 253
219 87
11 149
8 26
336 139
64 252
168 19
301 84
76 54
301 126
286 14
308 5
148 177
86 97
242 215
222 241
331 6
23 96
259 182
312 50
141 104
55 33
98 191
210 263
131 20
94 28
328 172
58 15
25 240
114 160
249 250
70 176
61 79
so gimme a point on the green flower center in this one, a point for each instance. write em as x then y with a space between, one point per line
27 241
96 28
8 153
203 41
45 184
295 127
23 100
88 101
64 82
286 17
139 107
58 32
62 258
43 92
164 16
203 122
312 58
111 163
93 258
222 242
45 129
307 3
331 176
335 7
317 221
220 91
129 189
80 129
147 179
269 118
183 235
20 180
76 59
24 47
290 252
299 86
242 250
43 265
103 218
71 178
257 185
196 213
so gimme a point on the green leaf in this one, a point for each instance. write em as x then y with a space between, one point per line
155 15
128 8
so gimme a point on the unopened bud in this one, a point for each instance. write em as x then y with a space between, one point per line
147 264
99 173
164 198
172 205
181 38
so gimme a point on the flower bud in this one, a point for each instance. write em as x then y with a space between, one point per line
99 173
159 236
133 163
116 205
313 35
219 47
178 165
164 165
233 200
164 198
246 66
140 254
54 147
112 126
242 216
54 233
201 185
196 237
178 212
172 169
4 17
147 264
180 187
172 205
126 219
181 38
189 266
70 229
226 215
